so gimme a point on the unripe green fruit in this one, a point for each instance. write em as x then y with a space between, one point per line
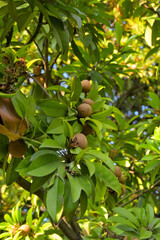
86 86
79 140
84 110
88 101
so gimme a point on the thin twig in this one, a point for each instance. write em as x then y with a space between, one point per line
33 37
35 44
151 9
54 61
44 90
143 192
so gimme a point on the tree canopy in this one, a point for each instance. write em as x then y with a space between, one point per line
79 119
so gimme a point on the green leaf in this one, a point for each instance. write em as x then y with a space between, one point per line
11 174
68 130
43 165
29 217
149 213
12 9
56 127
151 165
38 182
8 95
53 108
54 200
83 203
144 234
20 104
127 214
8 219
152 51
90 167
75 188
122 221
119 31
109 179
78 53
103 157
76 89
50 143
155 101
69 205
58 88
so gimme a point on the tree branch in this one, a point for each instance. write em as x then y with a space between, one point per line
63 225
9 37
54 61
151 9
37 29
141 194
29 76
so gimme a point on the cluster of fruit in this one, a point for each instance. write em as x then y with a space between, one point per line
121 178
84 110
37 74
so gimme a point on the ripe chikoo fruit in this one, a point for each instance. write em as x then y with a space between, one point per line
84 110
88 101
118 172
86 86
25 229
122 179
17 148
37 70
79 140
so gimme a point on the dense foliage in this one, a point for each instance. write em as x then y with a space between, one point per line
79 119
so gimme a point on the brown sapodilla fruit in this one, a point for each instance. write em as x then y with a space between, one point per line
84 110
122 179
118 172
88 101
86 86
37 70
87 129
79 140
123 191
25 229
17 148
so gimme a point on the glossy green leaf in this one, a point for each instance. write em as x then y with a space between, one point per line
54 200
127 214
109 179
50 143
76 89
144 234
103 157
119 31
53 108
11 173
38 182
78 53
43 165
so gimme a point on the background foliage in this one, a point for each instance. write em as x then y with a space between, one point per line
47 49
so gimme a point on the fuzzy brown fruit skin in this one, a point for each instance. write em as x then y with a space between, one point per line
123 191
79 140
86 86
84 110
118 172
87 129
25 229
122 179
88 101
17 148
37 70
